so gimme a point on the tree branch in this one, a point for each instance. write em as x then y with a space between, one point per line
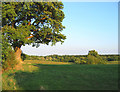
43 18
29 37
29 23
34 30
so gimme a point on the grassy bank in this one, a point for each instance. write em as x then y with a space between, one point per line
41 76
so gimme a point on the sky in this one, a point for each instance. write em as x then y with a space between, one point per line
89 26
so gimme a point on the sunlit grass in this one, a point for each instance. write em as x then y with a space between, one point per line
113 62
45 62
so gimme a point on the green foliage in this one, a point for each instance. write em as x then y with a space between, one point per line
29 57
94 58
5 48
110 57
41 20
8 57
93 53
10 60
42 58
91 58
81 62
24 56
48 58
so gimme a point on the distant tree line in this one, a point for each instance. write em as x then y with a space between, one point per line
92 58
110 57
8 57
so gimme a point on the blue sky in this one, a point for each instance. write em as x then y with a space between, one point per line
89 25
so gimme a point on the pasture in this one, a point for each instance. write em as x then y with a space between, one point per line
42 75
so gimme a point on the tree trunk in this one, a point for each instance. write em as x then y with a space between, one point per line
18 54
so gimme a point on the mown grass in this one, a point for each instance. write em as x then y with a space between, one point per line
37 76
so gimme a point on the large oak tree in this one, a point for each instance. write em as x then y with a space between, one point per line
32 23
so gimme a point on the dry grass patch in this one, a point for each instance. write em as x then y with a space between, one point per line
45 62
113 62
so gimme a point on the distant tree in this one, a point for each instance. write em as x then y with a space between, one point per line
82 58
24 56
93 53
112 58
61 59
77 60
80 61
32 23
48 58
94 58
54 59
42 58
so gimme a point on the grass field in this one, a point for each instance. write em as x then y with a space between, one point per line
36 75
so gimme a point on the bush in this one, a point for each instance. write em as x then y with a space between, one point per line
24 56
83 62
77 62
10 61
8 57
80 62
94 58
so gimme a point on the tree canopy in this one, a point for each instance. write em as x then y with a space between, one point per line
32 22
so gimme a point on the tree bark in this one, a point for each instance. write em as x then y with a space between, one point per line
18 54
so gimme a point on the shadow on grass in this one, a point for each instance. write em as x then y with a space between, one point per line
68 77
38 65
39 79
26 80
